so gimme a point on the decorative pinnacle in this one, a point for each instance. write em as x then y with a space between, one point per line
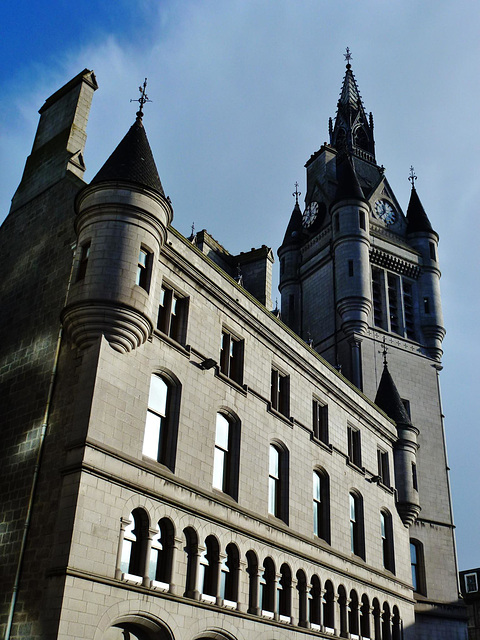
384 352
296 193
143 98
412 177
348 57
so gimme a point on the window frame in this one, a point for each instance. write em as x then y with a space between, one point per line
418 567
354 446
383 461
144 268
231 457
357 524
278 482
172 313
280 392
388 549
320 421
84 257
231 356
321 504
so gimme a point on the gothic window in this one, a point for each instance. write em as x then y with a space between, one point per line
280 391
418 567
160 435
320 421
378 298
83 262
386 529
144 268
408 310
161 554
354 446
231 357
172 314
134 547
393 306
267 586
383 467
208 577
357 534
321 505
229 574
277 482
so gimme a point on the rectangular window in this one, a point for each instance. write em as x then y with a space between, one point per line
320 421
354 446
393 305
231 357
414 476
361 216
433 253
471 582
154 437
408 310
82 265
274 482
350 268
280 392
220 461
172 314
144 268
378 298
383 467
426 305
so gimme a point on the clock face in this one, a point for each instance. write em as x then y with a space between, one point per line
384 211
310 214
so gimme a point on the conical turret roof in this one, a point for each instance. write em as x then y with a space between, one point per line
348 187
294 231
388 399
352 131
132 161
417 219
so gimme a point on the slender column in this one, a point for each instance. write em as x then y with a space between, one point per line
322 595
276 615
218 597
243 586
196 568
146 581
256 608
293 600
303 601
124 523
176 545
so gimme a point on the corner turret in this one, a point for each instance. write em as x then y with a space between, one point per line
121 226
405 449
424 239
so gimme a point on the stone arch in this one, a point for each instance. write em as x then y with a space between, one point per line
131 625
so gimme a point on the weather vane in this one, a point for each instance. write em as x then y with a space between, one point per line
296 193
143 98
348 55
412 177
384 352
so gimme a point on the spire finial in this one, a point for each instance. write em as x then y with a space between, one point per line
348 57
296 193
143 98
384 352
412 177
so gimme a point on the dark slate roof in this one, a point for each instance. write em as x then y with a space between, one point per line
132 161
388 399
417 219
294 231
348 186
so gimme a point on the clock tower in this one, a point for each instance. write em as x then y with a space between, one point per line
358 278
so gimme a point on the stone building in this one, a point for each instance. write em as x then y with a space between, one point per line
469 587
182 462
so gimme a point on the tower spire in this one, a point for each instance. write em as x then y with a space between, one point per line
353 130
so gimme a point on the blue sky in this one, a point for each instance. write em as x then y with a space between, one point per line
241 94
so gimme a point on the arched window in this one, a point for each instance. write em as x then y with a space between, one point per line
278 482
226 455
315 602
342 603
285 591
357 535
302 598
377 619
161 554
396 624
386 623
321 505
134 546
353 625
160 438
418 567
329 606
365 618
229 574
191 549
253 592
386 529
208 579
267 586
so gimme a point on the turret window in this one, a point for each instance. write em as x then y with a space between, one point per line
83 262
433 253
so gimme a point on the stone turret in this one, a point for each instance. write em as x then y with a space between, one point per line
405 449
290 258
351 246
121 226
424 239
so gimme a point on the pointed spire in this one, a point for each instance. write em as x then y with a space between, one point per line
388 398
353 130
348 186
417 219
294 231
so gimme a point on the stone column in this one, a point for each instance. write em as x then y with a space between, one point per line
218 597
243 586
294 600
146 581
276 615
176 545
124 523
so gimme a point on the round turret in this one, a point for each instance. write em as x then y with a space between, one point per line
290 260
121 225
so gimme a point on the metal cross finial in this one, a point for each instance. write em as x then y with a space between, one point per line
384 352
348 55
412 177
296 193
143 98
